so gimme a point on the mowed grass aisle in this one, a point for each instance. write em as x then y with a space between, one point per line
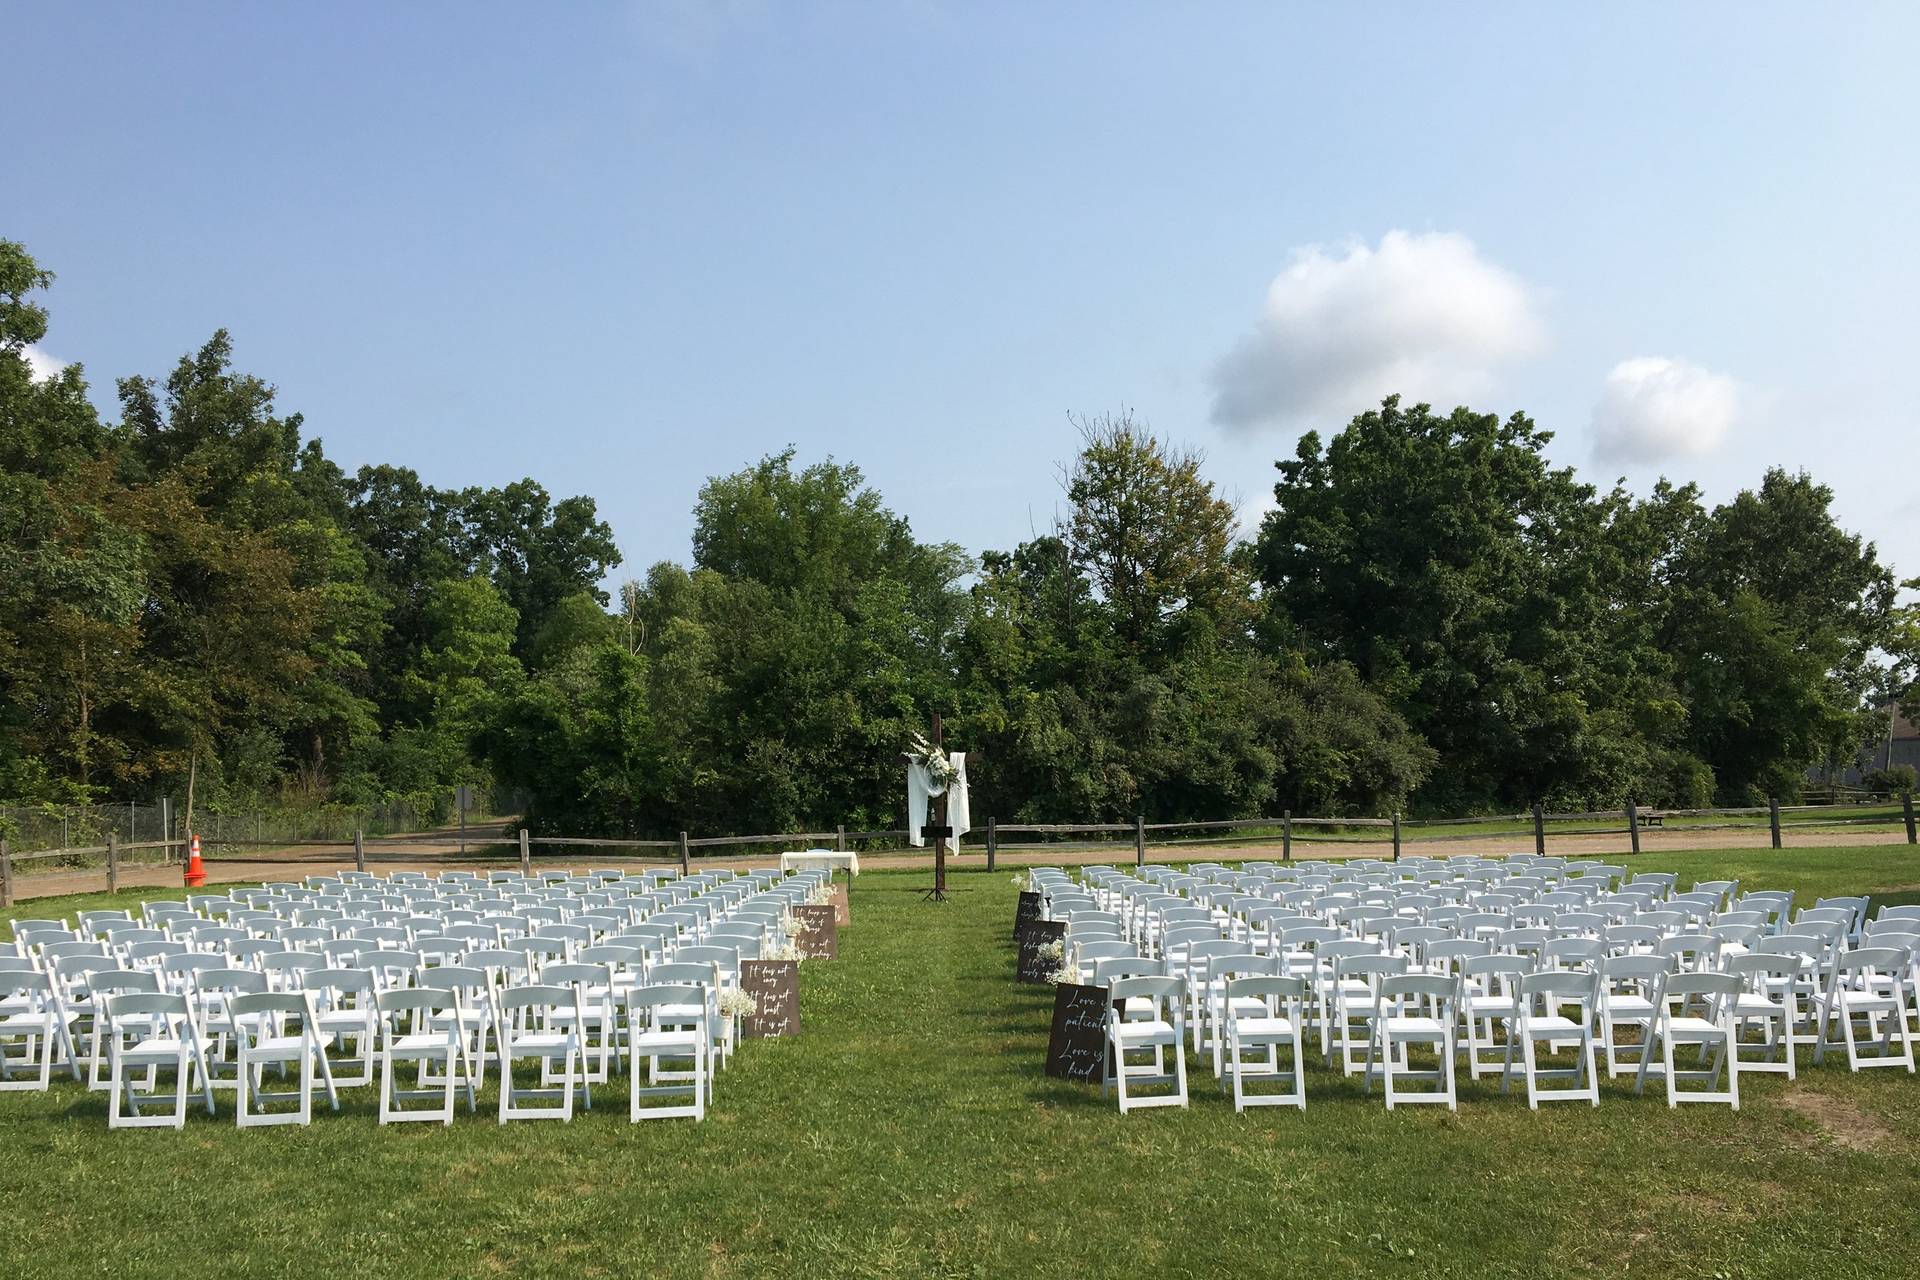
911 1132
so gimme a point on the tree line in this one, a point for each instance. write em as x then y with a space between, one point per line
1432 618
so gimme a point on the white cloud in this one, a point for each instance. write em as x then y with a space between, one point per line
1654 408
1423 315
41 365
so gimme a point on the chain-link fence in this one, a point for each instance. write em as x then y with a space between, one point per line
33 828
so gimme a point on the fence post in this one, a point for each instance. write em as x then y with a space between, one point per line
526 855
840 837
1396 835
359 851
1539 831
1906 802
1773 819
1286 835
166 830
113 862
1633 824
6 874
993 842
1139 840
686 855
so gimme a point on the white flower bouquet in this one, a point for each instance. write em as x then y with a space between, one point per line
735 1003
940 770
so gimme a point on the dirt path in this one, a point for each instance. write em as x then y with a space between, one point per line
436 856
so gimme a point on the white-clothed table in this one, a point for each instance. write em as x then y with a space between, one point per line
820 860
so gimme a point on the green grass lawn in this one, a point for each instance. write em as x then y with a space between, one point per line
910 1132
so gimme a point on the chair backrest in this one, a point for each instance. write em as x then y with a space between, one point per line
683 972
1160 990
1267 986
1887 962
1126 968
255 1013
1692 986
416 999
1396 988
1641 971
209 982
1558 985
577 975
464 979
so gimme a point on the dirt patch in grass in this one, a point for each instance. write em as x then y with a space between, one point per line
1839 1122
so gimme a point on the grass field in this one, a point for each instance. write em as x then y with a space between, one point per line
910 1132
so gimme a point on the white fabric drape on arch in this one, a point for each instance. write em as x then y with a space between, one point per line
921 791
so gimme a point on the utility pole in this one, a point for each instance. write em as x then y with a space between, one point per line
940 821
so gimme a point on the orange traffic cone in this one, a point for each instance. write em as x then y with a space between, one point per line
196 870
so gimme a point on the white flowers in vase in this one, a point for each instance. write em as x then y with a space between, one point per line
735 1003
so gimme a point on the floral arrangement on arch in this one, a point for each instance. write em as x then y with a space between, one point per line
940 770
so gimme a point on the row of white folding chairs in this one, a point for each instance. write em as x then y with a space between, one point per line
76 992
666 1025
1370 1006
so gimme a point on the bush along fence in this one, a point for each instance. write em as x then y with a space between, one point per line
1321 836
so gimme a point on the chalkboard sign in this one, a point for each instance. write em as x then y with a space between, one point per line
1077 1049
1027 912
775 988
1033 966
819 936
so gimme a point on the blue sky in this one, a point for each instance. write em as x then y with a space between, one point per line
623 248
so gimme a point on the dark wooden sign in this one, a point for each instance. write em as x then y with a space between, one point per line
1027 912
1038 933
1077 1049
842 904
932 832
775 988
819 936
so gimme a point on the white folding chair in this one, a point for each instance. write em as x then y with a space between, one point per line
37 1023
1539 1014
276 1029
153 1030
1629 986
1696 1009
660 1035
1414 1009
530 1029
1161 1033
1772 999
345 1012
1866 999
1262 1014
421 1026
